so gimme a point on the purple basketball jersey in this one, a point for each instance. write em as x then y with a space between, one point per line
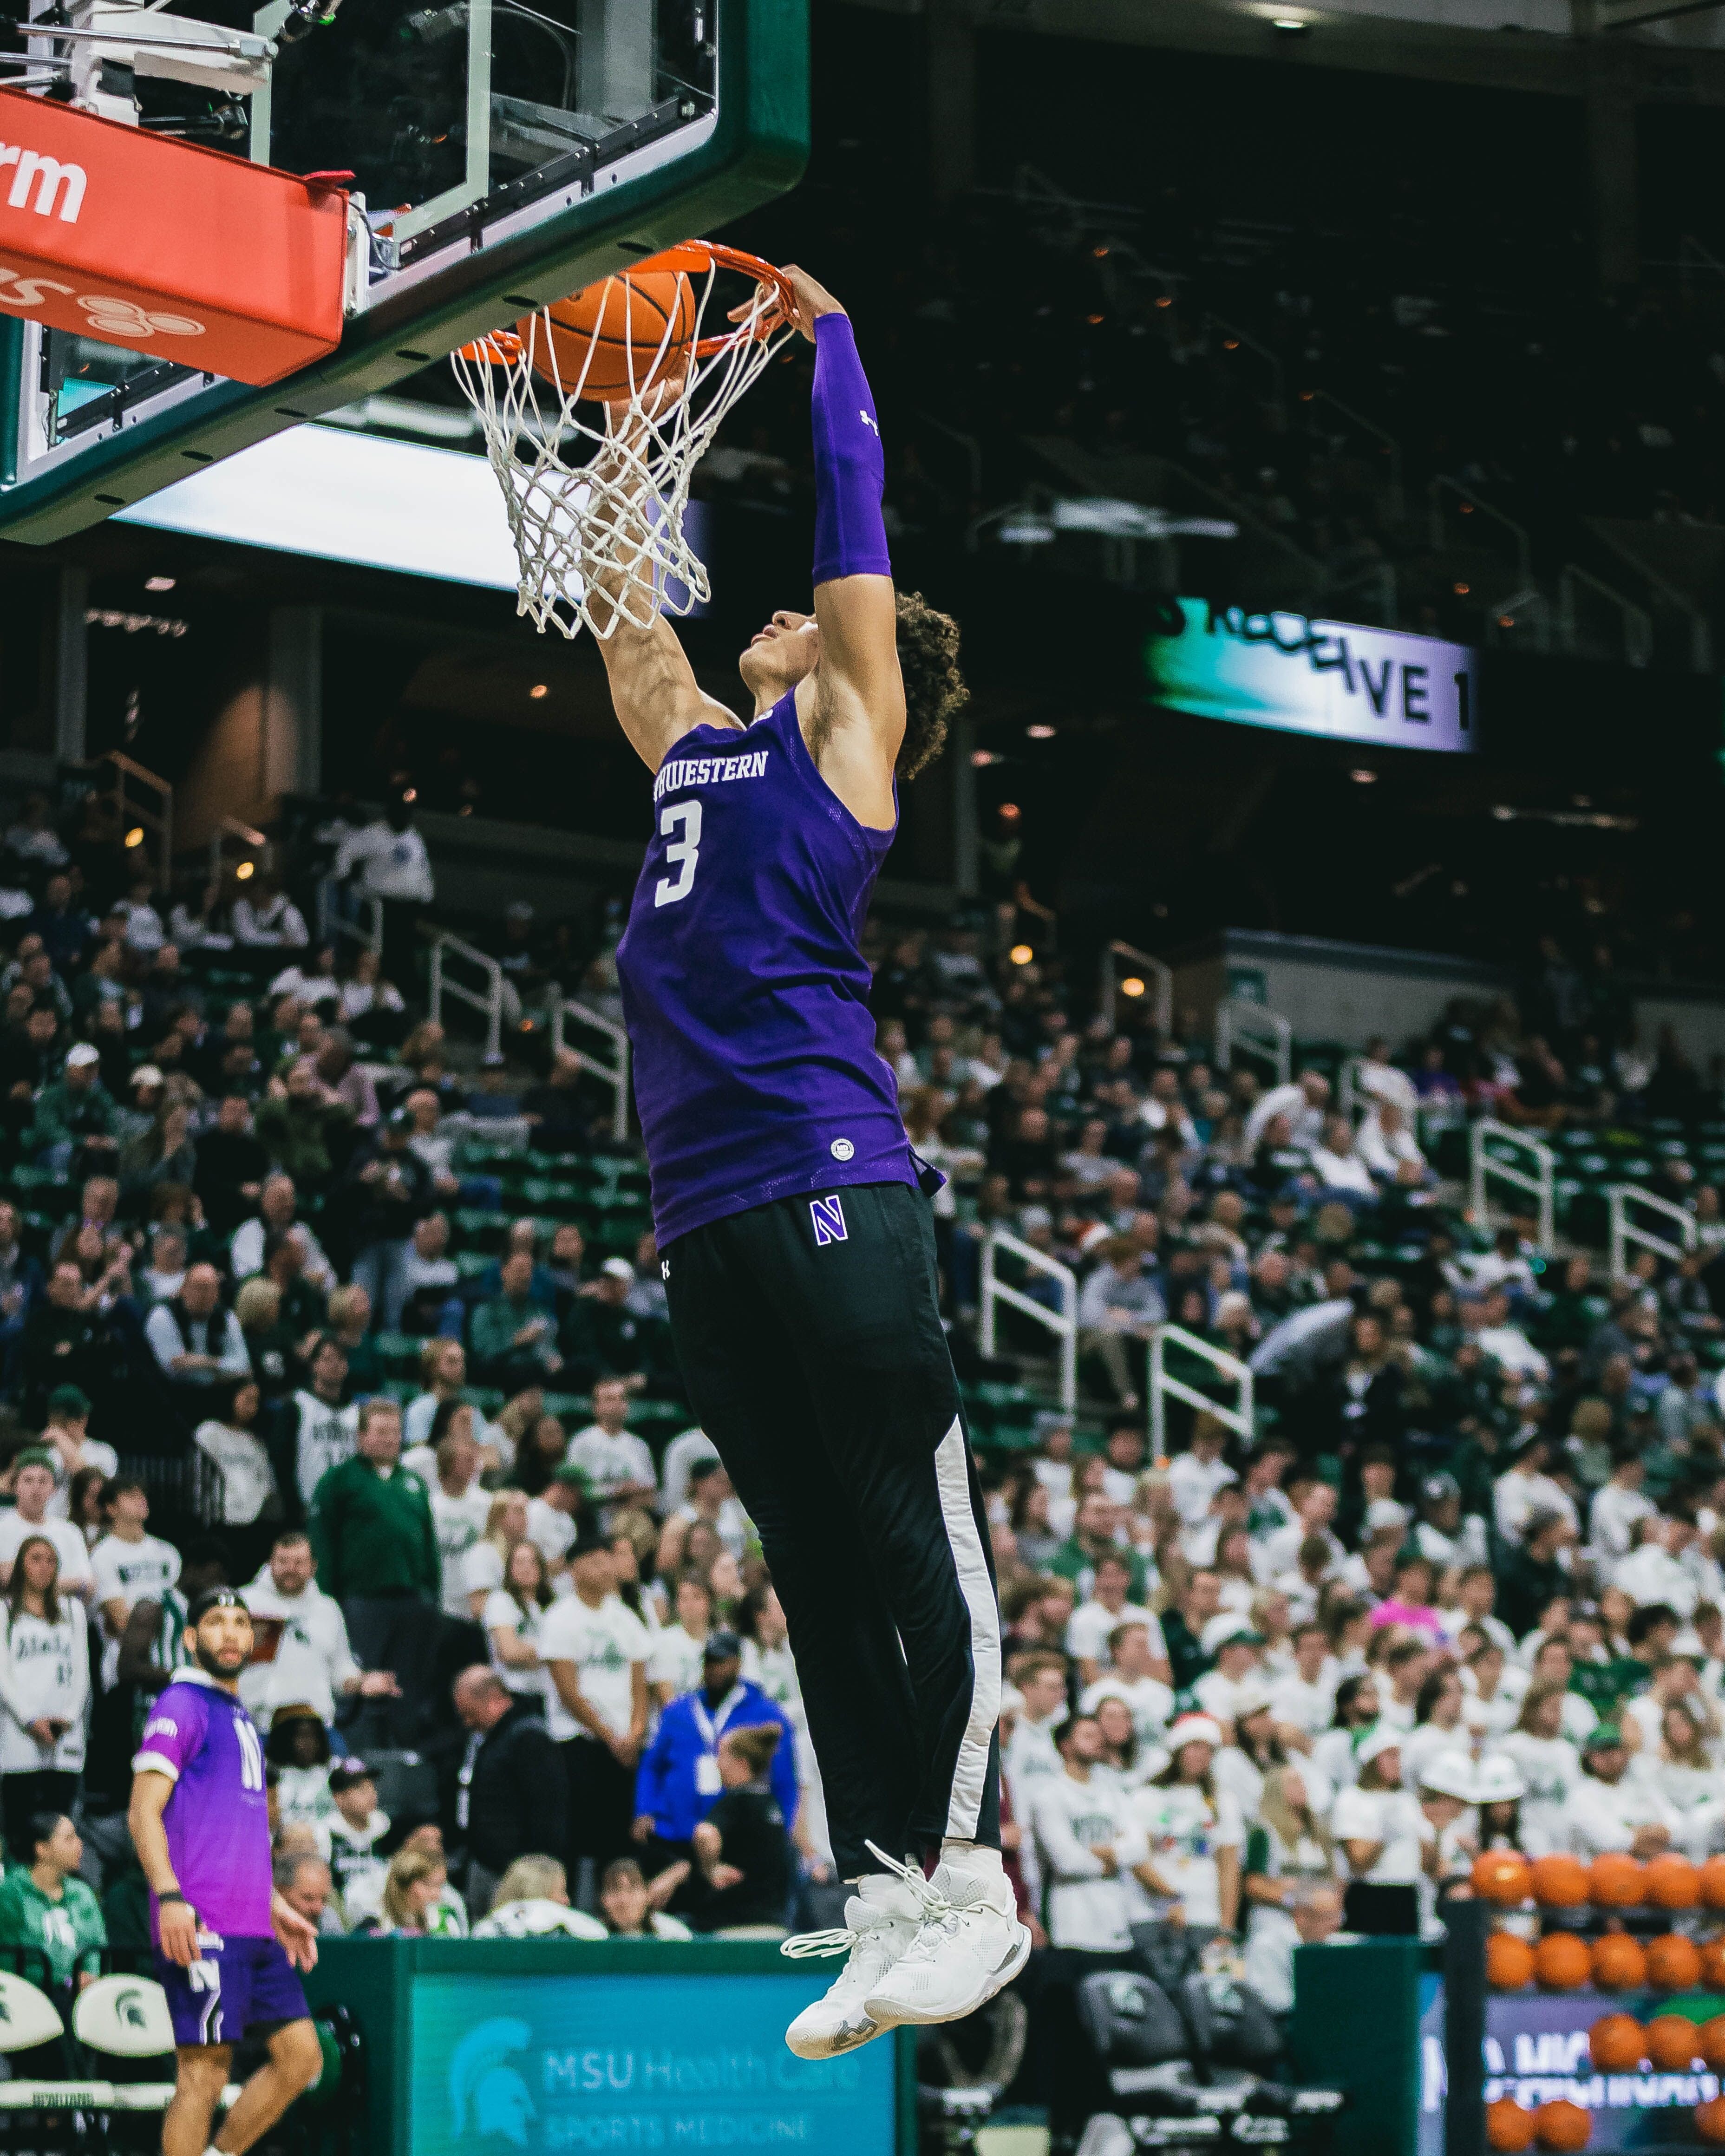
218 1819
746 995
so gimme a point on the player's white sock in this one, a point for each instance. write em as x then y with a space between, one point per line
970 1856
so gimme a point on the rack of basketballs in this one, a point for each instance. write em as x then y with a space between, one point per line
1650 1935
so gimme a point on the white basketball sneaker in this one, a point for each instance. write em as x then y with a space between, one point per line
970 1945
881 1921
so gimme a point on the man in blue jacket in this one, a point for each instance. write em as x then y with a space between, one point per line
677 1783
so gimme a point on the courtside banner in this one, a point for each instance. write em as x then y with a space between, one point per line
183 253
1338 678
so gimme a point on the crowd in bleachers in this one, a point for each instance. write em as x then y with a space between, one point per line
295 1293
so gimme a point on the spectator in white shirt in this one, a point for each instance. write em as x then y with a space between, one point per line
264 915
617 1465
711 1499
1138 1673
1195 1475
1487 1318
1314 1502
1237 1672
1655 1571
1302 1103
33 1486
1612 1809
129 1565
313 1661
1339 1168
1303 1700
325 1433
1387 1146
1377 1822
1030 1752
278 1205
1616 1509
1525 1488
1093 1623
1086 1840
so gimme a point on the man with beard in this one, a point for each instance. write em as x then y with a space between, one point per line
227 1945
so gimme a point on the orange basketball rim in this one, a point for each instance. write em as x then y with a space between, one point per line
693 258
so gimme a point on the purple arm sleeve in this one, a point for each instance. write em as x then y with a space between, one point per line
850 464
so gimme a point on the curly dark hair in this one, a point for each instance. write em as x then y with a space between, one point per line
934 689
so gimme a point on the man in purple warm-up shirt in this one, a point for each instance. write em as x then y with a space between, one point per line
227 1945
795 1237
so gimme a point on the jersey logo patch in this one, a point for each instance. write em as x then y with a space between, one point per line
828 1214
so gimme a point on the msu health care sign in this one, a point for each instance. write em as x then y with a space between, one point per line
1336 679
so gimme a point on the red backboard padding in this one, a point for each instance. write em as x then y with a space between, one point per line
165 247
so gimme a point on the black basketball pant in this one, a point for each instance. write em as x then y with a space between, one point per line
810 1339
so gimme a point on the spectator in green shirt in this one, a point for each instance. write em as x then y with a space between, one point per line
76 1109
1093 1537
44 1904
372 1532
514 1340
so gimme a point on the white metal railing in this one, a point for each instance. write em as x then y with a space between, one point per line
488 1001
160 820
1163 1387
1540 1184
334 920
1249 1029
1157 976
564 1010
1618 1198
1062 1323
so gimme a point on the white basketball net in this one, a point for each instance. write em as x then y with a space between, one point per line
596 494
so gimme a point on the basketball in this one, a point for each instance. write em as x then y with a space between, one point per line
1615 2044
1614 1882
623 322
1560 1883
1507 2125
1561 1961
1563 2125
1710 2119
1509 1962
1712 1963
1710 2042
1672 1882
1503 1876
1712 1881
1619 1963
1673 1963
1672 2045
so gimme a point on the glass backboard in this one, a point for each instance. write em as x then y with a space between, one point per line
503 152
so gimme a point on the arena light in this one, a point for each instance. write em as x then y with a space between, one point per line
159 583
1363 777
1040 733
245 872
1021 954
1132 986
981 758
134 837
538 689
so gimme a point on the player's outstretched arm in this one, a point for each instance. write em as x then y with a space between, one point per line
860 710
653 691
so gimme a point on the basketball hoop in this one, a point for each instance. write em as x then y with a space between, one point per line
596 410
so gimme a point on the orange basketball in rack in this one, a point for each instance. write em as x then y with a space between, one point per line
1614 1882
1672 2044
1712 1880
1712 1963
1563 2125
1619 1963
1503 1876
1560 1883
1710 2119
1672 1882
1673 1963
1561 1961
1615 2044
1508 2125
1710 2042
620 336
1509 1962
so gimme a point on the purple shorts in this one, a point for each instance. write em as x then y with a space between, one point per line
230 1988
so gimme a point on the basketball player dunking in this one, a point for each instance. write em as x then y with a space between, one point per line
796 1239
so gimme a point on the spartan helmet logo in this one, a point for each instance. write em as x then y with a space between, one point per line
483 2086
128 2005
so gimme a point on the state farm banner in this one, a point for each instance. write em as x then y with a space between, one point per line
1337 679
183 252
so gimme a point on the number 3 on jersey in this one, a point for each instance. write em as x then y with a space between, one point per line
681 855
